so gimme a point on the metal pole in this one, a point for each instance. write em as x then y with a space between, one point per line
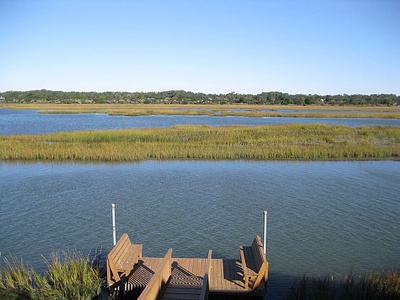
265 232
113 224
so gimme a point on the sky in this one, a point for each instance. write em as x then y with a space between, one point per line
209 46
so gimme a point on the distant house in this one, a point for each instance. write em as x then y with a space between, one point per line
2 98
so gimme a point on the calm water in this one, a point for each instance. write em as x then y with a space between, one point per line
30 122
323 217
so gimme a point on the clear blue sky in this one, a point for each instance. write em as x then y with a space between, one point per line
211 46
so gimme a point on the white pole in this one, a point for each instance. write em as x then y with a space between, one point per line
113 224
265 232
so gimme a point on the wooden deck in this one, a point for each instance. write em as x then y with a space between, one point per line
187 276
186 281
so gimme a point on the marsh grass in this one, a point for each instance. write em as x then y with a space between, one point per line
16 280
371 286
277 142
69 276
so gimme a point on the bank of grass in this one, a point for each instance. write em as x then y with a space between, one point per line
276 142
217 110
371 286
69 276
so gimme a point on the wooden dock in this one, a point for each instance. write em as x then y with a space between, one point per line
187 278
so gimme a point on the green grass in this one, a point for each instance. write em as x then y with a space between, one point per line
279 142
371 286
69 276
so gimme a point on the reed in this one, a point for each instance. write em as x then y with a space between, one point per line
69 276
277 142
16 280
374 285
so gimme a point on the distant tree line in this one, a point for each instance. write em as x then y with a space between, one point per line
185 97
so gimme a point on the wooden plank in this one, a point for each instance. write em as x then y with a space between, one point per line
217 273
183 290
186 295
225 275
189 266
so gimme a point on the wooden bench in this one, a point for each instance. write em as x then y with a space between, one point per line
122 258
254 263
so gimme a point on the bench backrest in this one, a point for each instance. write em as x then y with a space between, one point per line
260 260
120 247
258 252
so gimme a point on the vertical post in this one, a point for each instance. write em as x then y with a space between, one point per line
113 224
265 232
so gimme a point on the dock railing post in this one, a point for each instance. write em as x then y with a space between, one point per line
265 232
113 224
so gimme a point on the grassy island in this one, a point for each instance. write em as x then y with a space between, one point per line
276 142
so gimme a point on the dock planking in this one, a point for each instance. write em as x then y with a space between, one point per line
225 278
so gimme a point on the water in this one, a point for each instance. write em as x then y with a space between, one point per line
30 122
324 217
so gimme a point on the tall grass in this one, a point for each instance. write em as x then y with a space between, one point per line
371 286
278 142
69 276
17 280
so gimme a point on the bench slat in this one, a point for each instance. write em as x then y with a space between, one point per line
129 258
122 243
